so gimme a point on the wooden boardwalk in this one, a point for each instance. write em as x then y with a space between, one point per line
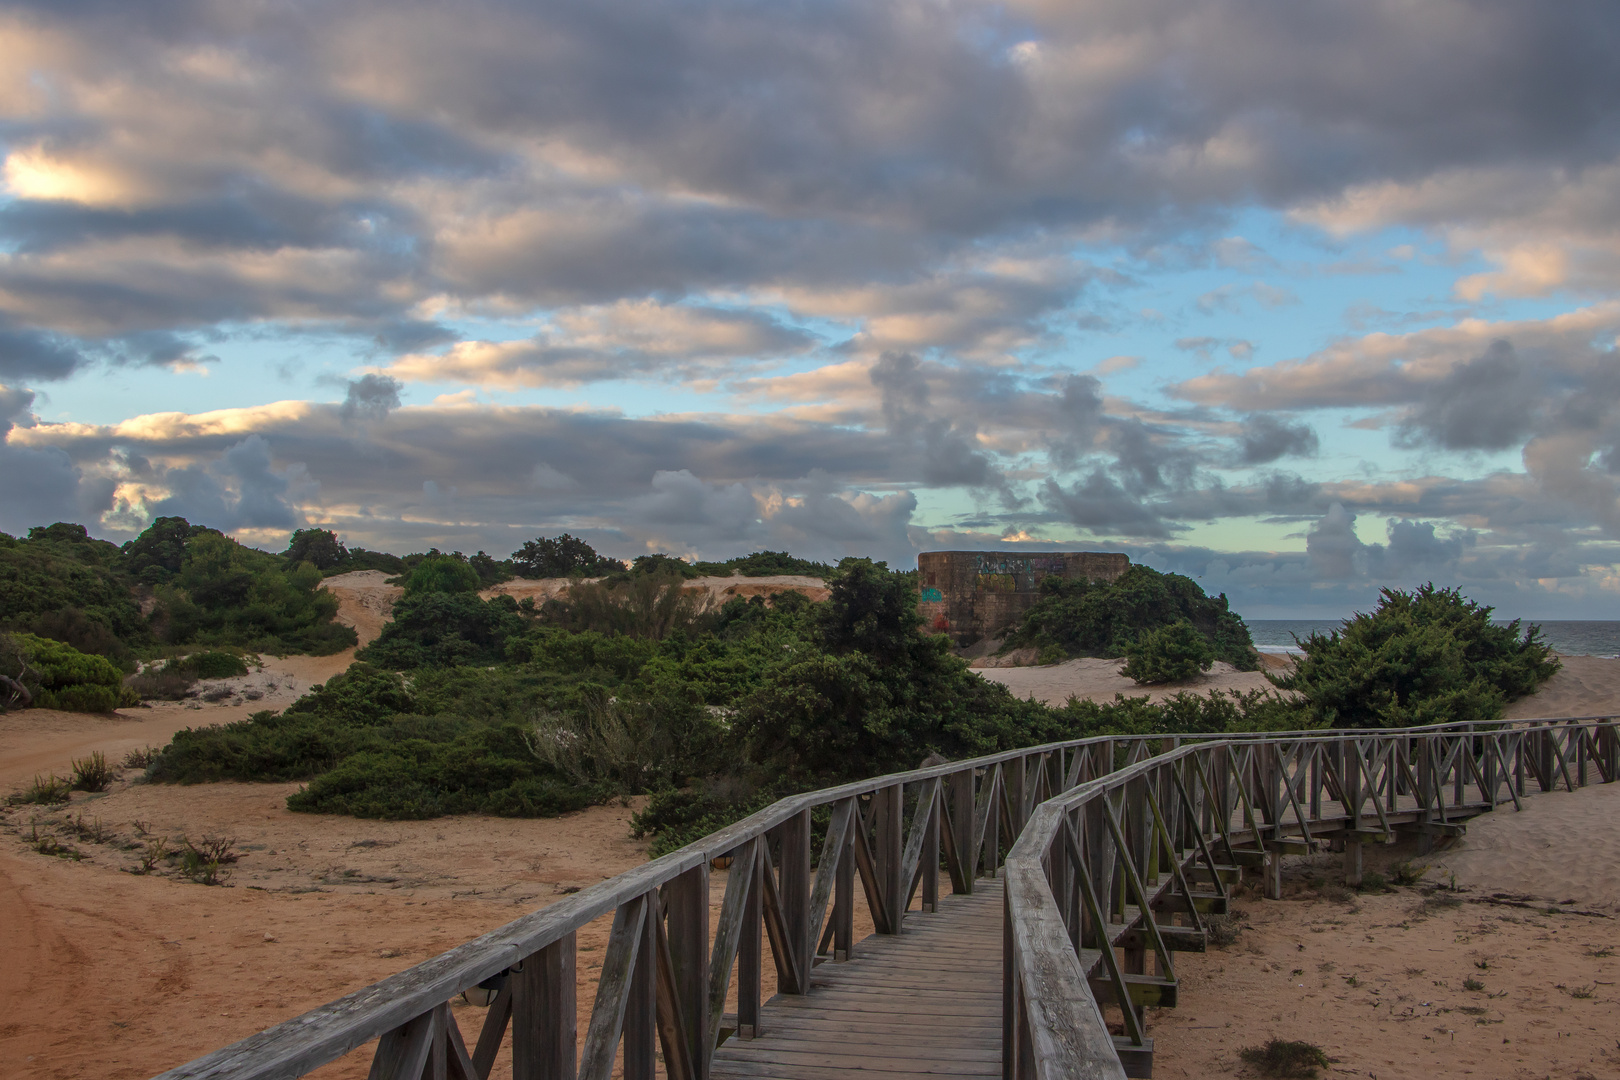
925 1003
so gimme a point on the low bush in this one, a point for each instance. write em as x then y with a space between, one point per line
161 682
677 817
1286 1059
93 773
215 664
61 677
44 791
1429 656
1406 873
1171 653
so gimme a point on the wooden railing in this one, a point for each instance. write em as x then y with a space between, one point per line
1114 837
1110 878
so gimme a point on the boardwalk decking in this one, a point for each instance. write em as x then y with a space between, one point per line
925 1003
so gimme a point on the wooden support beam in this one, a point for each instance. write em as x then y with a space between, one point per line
544 1017
1145 991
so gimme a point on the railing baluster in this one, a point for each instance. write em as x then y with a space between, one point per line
544 1017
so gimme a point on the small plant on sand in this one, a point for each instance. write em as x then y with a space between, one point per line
95 832
43 792
140 759
50 845
1472 983
1583 993
1602 953
1223 930
1285 1059
93 773
1373 882
156 850
201 862
1406 872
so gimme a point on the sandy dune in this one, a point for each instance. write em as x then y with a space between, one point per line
1091 679
1585 686
720 589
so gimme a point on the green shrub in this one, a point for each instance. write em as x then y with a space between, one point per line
442 574
1429 656
1286 1059
93 773
1103 618
61 677
442 628
1169 654
1052 654
214 664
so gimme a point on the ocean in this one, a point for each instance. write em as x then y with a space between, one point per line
1568 637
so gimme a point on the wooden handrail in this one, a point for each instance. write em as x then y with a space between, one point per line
1065 918
665 977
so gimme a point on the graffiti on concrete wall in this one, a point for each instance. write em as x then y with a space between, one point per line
1014 573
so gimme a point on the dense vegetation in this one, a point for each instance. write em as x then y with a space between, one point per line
1105 618
1429 656
175 586
51 675
468 704
635 685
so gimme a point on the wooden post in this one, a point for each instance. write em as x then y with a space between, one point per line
890 850
545 1014
844 900
1350 770
960 789
992 822
1015 775
686 899
1427 794
749 948
795 893
929 863
640 1036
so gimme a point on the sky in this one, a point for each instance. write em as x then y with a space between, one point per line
1300 298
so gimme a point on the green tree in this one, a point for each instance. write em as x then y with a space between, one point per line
442 574
318 546
155 556
561 556
1429 656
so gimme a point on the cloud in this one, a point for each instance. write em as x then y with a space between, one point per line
239 490
370 397
1267 437
639 339
39 486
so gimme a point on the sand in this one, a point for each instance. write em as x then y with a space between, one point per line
718 589
1584 686
1381 984
1091 679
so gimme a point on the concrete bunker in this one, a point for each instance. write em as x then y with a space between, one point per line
972 595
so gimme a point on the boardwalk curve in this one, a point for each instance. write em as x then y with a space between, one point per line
1075 871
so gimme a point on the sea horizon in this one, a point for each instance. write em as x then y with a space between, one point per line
1568 637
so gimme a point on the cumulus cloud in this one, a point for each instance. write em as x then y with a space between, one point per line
370 397
41 485
1267 437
